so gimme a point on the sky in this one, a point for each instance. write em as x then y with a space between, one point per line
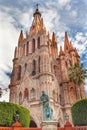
58 15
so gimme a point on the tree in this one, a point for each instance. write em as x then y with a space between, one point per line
77 75
79 112
10 112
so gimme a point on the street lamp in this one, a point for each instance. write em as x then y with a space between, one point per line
66 117
16 117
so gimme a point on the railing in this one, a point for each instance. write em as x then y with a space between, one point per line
8 128
61 128
31 129
80 128
17 126
67 126
5 128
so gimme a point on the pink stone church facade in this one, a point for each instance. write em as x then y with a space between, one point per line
38 67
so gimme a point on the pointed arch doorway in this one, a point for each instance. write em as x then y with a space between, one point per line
32 123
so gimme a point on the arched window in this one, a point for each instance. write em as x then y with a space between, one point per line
19 72
32 124
38 43
25 67
55 68
26 93
34 68
39 64
20 97
58 124
24 49
54 95
27 48
33 93
60 99
51 67
33 45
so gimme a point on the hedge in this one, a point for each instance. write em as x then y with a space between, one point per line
79 112
8 111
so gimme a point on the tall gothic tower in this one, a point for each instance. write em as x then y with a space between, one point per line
37 67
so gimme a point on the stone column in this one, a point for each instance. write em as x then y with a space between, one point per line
49 125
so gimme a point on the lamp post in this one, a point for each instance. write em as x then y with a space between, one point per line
66 117
16 117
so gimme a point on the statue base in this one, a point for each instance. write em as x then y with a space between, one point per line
49 125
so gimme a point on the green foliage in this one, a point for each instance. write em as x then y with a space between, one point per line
79 112
8 111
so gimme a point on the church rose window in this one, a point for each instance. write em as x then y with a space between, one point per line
33 45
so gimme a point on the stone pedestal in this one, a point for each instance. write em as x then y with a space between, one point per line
49 125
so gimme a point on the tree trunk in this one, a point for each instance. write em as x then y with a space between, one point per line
78 92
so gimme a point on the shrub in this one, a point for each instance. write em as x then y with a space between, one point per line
79 112
8 111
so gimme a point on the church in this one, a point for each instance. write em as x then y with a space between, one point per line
38 67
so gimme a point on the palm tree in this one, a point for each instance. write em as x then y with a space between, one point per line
77 75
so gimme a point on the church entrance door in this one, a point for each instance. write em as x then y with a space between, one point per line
32 123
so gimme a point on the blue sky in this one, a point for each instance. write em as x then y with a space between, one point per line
58 15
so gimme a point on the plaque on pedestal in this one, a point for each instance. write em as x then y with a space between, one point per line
49 125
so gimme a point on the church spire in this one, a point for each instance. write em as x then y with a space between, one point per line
26 35
61 51
21 37
37 23
66 42
53 38
54 47
37 11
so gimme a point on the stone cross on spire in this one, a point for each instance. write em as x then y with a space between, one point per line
37 6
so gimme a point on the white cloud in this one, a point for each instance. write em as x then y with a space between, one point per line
25 19
74 13
8 41
80 37
49 18
80 42
5 96
63 2
68 7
